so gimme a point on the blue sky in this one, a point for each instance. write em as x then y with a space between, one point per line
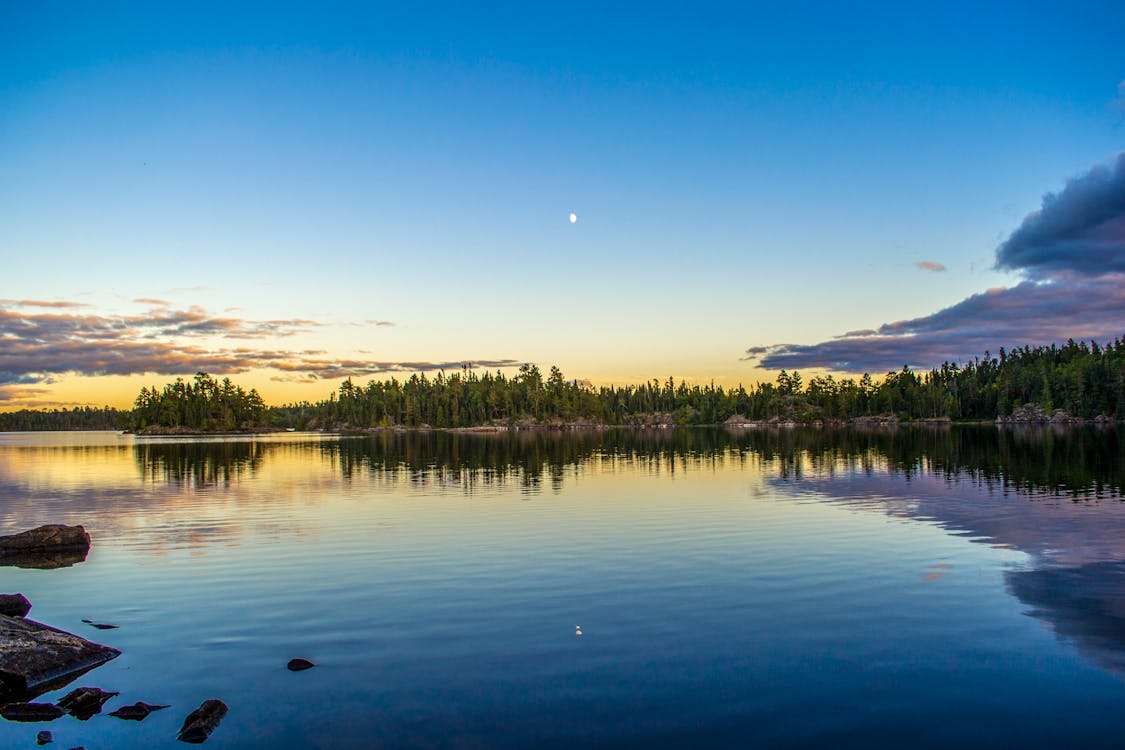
746 178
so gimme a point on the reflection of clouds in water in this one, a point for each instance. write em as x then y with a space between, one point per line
1083 604
1075 582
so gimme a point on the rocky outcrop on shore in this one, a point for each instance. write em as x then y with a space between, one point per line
1039 414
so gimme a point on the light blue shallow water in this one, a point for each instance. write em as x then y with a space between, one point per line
732 589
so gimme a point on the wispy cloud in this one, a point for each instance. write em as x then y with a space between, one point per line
930 265
58 304
37 346
152 301
22 395
1071 253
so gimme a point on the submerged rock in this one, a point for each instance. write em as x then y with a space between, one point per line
297 665
100 625
31 712
84 702
202 721
35 657
50 546
14 605
139 711
44 738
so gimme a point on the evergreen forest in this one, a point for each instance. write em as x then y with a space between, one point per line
1076 380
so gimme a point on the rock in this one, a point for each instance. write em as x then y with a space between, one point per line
35 657
139 711
101 625
44 738
84 702
14 605
50 546
297 665
31 712
46 538
202 721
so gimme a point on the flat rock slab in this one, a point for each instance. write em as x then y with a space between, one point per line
34 656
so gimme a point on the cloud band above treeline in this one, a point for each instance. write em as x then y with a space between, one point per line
37 346
1071 253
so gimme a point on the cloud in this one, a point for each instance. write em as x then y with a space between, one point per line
64 304
153 301
20 394
380 323
1071 253
1080 230
35 347
930 265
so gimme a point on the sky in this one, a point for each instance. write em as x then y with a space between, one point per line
293 195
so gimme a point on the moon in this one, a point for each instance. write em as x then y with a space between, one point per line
573 217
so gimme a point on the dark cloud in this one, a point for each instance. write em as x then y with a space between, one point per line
1072 254
930 265
36 346
1080 230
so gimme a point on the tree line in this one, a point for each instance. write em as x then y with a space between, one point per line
204 404
78 418
1084 380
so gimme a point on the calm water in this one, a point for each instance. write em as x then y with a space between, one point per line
922 588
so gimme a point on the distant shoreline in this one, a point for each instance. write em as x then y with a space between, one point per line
861 422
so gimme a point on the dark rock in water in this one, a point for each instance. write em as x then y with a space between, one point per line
44 738
45 539
101 625
136 712
202 721
84 702
31 712
296 665
51 546
36 657
14 605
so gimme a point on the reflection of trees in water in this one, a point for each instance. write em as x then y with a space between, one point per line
198 464
530 459
1075 461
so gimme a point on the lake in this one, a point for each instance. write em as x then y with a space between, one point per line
893 587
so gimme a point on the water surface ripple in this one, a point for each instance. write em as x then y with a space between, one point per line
770 588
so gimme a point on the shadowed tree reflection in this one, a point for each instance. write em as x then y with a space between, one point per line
198 464
1079 462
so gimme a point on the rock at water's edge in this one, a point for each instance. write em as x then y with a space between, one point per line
14 605
34 656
